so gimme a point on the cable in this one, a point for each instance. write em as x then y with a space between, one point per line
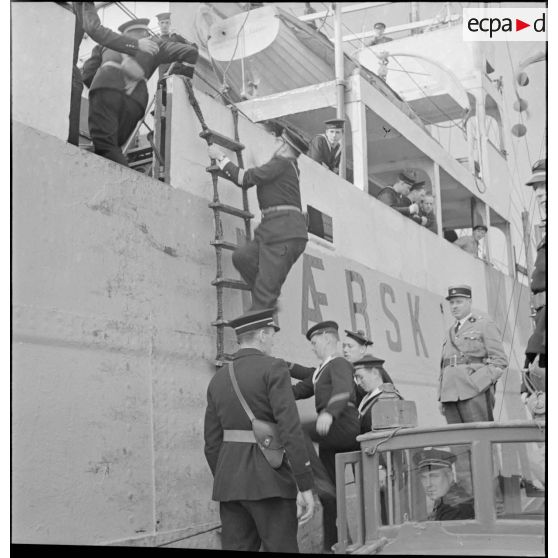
190 536
429 98
235 46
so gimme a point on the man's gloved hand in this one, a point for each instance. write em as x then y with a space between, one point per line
413 208
147 45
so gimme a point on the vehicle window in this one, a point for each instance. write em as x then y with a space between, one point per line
426 484
519 480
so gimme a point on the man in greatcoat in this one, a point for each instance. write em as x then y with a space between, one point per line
534 379
265 261
257 503
326 148
87 21
118 87
473 359
337 425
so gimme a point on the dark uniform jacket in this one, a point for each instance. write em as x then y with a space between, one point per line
173 37
104 71
399 202
87 20
322 151
478 340
240 470
334 393
277 183
456 504
537 342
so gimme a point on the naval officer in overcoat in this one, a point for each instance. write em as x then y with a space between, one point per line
337 425
88 21
118 87
258 503
265 261
451 501
473 359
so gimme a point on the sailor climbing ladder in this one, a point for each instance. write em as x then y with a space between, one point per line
220 243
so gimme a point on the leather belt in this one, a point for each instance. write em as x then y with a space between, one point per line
246 436
539 300
462 359
275 208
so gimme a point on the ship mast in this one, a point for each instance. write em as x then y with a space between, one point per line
339 76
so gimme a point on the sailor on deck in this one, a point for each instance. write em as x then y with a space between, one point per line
471 243
118 87
326 148
258 502
379 37
166 35
396 196
281 237
473 359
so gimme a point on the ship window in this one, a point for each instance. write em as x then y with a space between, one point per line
319 223
426 484
519 480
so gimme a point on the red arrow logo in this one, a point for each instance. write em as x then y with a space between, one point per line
519 25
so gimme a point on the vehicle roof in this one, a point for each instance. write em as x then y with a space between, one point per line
496 426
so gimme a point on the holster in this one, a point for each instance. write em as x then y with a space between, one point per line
267 436
266 433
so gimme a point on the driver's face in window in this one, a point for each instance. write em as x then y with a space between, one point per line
436 482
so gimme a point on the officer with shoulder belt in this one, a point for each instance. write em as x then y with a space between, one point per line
258 499
473 359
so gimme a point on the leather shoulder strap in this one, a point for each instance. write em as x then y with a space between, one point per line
239 394
450 337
